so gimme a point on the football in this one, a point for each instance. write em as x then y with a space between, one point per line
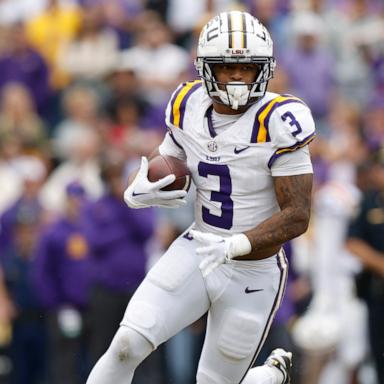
161 166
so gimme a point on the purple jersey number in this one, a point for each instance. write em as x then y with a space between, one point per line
225 220
292 122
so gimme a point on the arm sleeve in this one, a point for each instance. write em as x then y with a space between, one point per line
293 163
171 147
175 116
291 128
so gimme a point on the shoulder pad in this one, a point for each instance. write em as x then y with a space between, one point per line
174 114
286 122
291 127
267 127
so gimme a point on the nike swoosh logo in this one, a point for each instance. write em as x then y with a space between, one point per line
239 150
138 194
247 290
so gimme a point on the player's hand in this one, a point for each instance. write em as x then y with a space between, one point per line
218 250
143 193
215 250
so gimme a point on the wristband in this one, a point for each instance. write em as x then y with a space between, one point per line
239 246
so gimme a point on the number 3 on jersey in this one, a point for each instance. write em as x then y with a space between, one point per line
292 122
223 195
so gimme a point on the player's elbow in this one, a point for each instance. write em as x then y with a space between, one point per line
301 220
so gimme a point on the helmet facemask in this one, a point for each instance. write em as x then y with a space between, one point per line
235 93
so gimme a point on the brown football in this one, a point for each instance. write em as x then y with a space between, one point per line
161 166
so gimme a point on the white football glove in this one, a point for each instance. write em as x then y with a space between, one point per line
143 193
218 250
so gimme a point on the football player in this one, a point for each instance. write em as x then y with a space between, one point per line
247 150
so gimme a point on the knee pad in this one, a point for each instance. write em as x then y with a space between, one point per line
129 346
239 335
147 319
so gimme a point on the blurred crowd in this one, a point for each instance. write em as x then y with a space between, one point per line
83 87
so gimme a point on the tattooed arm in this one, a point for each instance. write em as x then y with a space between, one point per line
293 194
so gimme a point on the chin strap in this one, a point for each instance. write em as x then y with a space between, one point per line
236 94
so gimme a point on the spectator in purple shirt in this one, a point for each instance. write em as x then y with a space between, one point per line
117 238
22 64
32 172
27 347
309 66
62 277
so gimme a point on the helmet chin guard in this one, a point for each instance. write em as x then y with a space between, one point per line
235 38
237 94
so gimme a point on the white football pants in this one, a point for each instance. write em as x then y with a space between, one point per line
241 299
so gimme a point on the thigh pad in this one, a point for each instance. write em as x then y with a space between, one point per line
173 269
239 335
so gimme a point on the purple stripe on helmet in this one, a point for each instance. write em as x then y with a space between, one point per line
244 28
229 30
292 148
184 102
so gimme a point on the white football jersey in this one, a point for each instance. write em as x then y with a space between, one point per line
233 170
